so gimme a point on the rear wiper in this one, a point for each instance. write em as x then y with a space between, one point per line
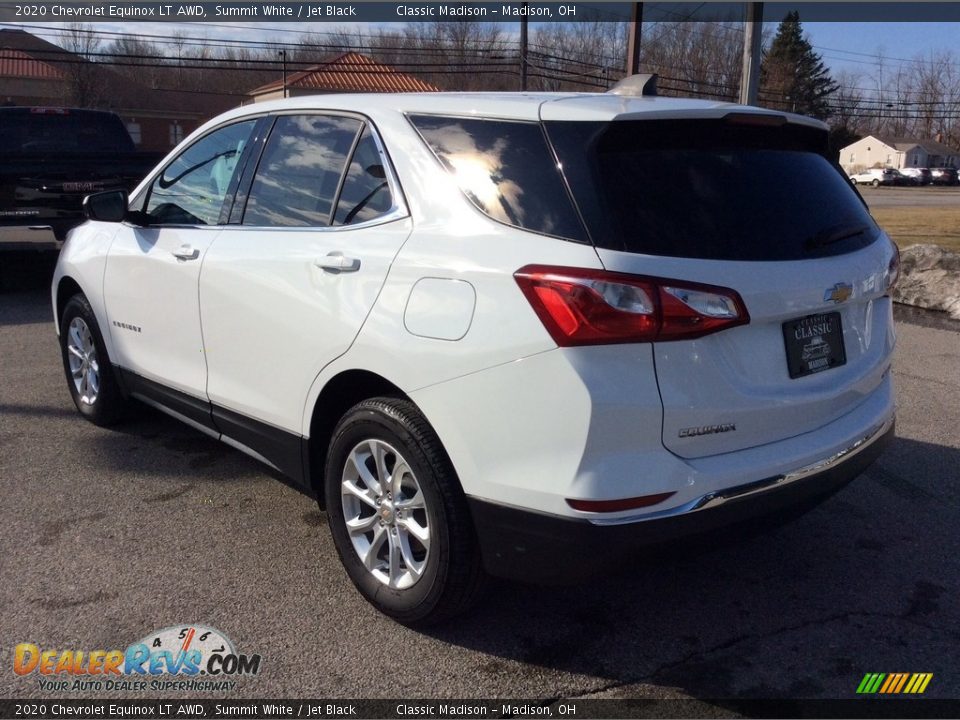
831 235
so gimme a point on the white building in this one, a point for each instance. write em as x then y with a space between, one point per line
883 151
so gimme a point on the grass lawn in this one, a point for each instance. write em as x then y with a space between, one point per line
912 225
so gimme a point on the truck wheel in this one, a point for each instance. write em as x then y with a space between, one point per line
875 183
398 516
90 375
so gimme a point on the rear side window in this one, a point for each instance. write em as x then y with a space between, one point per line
710 189
366 193
506 169
299 172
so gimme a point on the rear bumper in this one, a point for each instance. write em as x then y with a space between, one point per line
548 549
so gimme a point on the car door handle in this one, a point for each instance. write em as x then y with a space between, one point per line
186 252
336 262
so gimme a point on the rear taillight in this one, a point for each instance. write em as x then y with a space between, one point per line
893 269
596 307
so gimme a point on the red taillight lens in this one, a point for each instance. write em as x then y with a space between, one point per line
596 307
893 269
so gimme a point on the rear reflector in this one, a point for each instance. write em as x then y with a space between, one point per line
605 506
596 307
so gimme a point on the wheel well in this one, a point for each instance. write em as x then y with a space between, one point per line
65 290
339 395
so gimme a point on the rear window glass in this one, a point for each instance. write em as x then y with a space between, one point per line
66 131
710 189
507 171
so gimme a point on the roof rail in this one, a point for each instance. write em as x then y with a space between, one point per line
636 86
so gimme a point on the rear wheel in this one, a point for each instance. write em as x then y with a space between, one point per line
875 183
87 366
397 514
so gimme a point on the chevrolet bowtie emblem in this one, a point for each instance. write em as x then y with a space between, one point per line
839 293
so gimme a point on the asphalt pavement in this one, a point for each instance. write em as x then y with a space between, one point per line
107 535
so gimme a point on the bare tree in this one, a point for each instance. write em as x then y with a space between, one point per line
83 74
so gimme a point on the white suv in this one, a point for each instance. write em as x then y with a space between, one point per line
500 334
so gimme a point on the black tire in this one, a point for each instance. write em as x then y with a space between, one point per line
107 405
875 183
451 576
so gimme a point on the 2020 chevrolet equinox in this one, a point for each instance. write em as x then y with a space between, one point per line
507 334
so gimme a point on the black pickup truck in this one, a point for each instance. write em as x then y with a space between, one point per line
51 159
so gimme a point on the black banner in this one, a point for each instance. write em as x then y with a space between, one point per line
227 709
61 11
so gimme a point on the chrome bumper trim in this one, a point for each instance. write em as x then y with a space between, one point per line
715 499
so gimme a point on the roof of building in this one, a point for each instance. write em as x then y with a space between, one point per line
16 63
118 93
350 72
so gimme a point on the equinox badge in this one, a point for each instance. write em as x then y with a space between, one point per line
707 430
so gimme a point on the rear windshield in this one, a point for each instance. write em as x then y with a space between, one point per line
54 130
710 189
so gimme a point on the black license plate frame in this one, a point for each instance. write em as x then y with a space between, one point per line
813 344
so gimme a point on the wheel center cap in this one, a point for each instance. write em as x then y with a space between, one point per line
386 513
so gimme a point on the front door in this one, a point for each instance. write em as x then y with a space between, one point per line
152 272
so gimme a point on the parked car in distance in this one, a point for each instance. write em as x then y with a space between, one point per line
875 177
53 158
501 334
943 176
917 176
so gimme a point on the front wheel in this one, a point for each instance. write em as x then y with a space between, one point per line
87 366
876 183
398 516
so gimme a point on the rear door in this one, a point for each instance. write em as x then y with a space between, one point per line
286 287
756 208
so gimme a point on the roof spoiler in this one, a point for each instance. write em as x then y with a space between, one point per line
636 86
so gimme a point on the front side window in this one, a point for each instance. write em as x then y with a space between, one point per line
191 190
299 174
506 169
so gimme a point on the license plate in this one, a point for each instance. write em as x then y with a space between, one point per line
814 344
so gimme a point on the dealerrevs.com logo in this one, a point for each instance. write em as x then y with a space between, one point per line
180 657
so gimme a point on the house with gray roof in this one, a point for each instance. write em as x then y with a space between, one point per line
897 152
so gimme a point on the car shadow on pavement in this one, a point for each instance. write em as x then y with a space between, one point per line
149 438
867 580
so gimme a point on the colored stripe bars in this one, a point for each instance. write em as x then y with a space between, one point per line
894 683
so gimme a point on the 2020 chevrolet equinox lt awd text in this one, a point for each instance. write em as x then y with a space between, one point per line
497 334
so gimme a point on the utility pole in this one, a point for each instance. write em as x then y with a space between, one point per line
633 42
283 59
752 33
523 47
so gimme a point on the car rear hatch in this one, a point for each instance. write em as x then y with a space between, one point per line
746 203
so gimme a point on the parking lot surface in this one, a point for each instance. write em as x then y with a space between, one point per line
107 535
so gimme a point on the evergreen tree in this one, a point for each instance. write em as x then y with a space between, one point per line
793 76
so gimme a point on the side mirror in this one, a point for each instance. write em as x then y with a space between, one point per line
110 206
